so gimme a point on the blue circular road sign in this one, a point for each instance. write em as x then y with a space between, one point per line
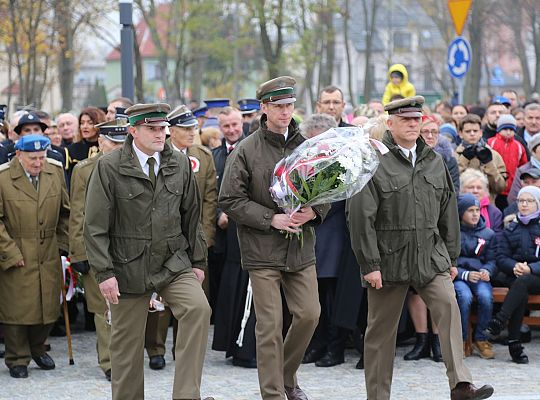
459 57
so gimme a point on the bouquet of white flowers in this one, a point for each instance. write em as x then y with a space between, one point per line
332 166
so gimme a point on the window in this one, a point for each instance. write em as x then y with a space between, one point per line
402 41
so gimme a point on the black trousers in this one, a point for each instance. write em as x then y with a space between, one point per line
328 336
515 303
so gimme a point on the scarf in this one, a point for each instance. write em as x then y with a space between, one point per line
484 204
525 219
534 162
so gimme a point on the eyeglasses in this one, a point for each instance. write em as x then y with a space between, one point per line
433 132
333 102
526 201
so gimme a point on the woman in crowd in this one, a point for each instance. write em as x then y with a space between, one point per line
458 112
476 182
519 257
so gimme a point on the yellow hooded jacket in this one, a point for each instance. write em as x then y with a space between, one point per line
405 88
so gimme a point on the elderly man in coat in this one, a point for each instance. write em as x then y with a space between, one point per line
405 232
34 212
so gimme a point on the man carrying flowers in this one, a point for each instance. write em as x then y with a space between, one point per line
272 259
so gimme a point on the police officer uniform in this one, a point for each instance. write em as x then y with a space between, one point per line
114 131
248 108
34 212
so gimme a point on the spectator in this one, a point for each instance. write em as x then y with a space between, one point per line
399 84
474 152
519 115
518 256
493 112
531 122
534 162
450 132
377 106
68 126
512 96
458 112
512 152
475 182
476 266
429 130
377 126
211 137
444 109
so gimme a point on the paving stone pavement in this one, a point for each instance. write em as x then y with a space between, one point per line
418 380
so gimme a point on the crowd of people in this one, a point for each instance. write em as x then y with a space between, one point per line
102 189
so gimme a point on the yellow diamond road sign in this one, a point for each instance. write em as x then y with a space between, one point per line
459 10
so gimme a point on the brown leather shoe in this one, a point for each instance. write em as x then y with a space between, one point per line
295 393
467 391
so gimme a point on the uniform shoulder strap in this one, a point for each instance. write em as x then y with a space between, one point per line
52 161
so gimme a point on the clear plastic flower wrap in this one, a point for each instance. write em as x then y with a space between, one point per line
332 166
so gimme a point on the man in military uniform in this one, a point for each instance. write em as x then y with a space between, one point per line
405 232
273 260
112 135
34 212
143 235
183 129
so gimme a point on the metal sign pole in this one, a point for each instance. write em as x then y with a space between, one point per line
126 48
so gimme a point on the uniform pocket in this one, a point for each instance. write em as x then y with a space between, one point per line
394 250
179 259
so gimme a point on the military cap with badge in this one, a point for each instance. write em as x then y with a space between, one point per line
182 116
29 119
32 143
410 107
115 130
148 114
249 106
279 90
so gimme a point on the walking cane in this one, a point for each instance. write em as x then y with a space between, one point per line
68 329
247 312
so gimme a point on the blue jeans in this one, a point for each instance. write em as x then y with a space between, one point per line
484 298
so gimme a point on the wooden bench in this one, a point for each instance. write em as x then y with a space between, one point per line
499 294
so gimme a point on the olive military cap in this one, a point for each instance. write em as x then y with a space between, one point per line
115 130
182 116
148 114
279 90
410 107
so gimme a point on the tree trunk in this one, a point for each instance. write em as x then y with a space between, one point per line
370 14
66 64
346 17
139 87
272 56
472 86
535 23
516 19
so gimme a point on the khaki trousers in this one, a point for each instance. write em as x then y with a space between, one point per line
24 342
278 360
384 309
103 336
157 325
188 304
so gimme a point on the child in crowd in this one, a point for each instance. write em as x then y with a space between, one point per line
518 256
399 83
512 152
476 266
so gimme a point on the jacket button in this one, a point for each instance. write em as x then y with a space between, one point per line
153 208
390 250
130 195
41 222
125 259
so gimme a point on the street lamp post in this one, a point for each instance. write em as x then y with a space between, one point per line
126 48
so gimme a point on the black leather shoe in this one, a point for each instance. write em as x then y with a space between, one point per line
467 391
494 328
312 355
19 371
330 359
240 362
157 362
421 348
108 375
295 393
44 362
2 353
360 363
516 352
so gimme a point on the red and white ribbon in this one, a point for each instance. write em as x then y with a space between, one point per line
66 269
537 243
481 243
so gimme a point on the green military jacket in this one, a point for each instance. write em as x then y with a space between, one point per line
143 237
405 221
33 227
77 252
202 164
245 197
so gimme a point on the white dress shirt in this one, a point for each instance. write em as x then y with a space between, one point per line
407 151
143 160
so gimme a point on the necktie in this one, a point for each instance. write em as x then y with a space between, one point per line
229 149
410 157
34 181
151 172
